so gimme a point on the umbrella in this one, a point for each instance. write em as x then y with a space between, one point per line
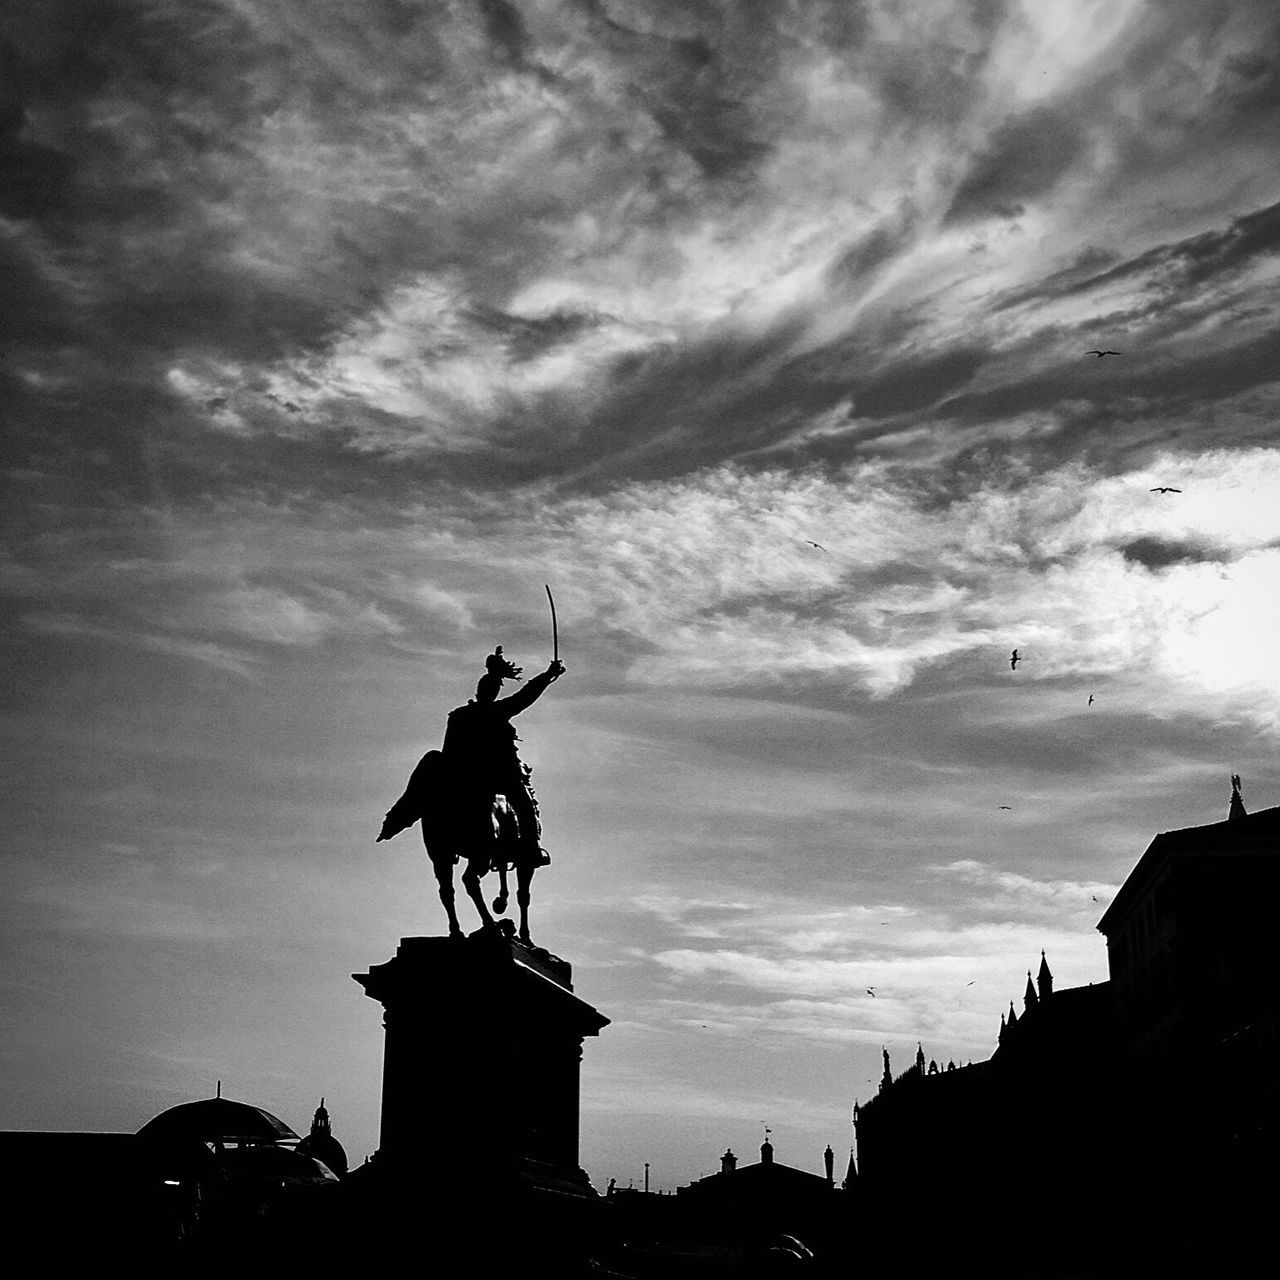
282 1164
215 1120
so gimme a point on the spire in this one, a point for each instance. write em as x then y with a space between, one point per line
728 1162
1237 809
1044 979
920 1058
829 1163
850 1174
766 1148
1013 1017
1003 1028
887 1079
1029 996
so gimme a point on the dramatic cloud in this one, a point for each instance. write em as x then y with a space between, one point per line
333 332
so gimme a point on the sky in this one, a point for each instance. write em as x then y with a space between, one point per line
332 333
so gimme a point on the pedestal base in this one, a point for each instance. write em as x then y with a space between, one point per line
481 1068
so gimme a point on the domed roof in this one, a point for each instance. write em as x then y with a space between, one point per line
328 1150
322 1145
216 1120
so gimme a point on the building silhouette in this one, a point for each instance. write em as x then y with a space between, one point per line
1192 957
745 1216
1146 1099
948 1143
772 1197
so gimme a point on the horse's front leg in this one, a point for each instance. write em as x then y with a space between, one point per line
524 878
504 894
477 865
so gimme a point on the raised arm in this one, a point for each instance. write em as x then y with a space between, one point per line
530 691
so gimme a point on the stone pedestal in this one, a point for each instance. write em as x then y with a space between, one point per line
481 1068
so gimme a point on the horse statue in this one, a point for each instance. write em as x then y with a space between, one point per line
488 838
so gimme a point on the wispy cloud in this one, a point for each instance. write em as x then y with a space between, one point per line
329 342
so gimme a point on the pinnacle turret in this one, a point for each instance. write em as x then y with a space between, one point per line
1044 979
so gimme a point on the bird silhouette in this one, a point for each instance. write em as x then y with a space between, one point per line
1100 354
1014 660
1090 702
1164 488
1006 806
969 984
818 545
871 991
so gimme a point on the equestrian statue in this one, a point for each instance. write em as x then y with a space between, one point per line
473 797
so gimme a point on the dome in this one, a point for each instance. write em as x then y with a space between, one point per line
321 1145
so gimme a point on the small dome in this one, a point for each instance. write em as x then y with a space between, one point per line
321 1145
328 1150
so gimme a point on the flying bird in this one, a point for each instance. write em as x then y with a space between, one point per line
818 545
1090 702
1006 806
1014 660
1100 354
969 984
871 991
1164 488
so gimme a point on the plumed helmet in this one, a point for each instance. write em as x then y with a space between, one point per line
496 665
496 670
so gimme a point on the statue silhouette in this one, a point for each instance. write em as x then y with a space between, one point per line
474 800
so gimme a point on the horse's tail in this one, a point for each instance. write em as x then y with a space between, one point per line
413 804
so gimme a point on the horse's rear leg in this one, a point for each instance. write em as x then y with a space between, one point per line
444 878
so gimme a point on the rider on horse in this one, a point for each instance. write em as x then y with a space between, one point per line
480 752
467 795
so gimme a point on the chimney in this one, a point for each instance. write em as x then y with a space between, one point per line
728 1162
829 1160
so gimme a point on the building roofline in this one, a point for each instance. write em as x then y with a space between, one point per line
1231 835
